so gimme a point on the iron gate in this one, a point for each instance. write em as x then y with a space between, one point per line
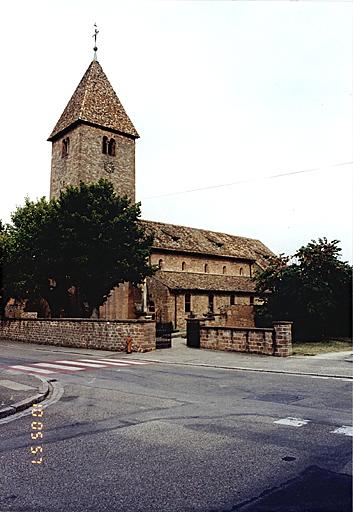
164 334
193 333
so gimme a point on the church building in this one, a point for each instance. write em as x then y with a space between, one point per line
200 271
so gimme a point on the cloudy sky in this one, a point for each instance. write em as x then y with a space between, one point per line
226 96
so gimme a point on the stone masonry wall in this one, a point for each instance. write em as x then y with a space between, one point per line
239 315
81 333
199 305
164 302
170 306
173 262
120 304
86 162
276 342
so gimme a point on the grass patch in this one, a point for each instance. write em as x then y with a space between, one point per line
320 347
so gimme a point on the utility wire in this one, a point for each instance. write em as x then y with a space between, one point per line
249 180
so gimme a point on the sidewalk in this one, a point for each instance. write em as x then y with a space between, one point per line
334 364
19 391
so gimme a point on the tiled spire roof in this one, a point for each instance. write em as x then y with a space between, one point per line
94 101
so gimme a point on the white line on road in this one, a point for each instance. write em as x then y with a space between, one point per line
126 361
100 361
292 422
30 368
58 366
90 365
346 430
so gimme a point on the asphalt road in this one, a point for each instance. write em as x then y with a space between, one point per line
178 438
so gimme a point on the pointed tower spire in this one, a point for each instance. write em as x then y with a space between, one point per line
95 102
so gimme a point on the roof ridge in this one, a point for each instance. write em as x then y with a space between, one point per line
200 229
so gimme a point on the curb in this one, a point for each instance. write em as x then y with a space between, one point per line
28 402
262 370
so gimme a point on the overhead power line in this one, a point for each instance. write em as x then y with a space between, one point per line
248 180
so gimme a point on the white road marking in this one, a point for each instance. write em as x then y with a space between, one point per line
58 366
292 422
90 365
30 368
16 386
100 361
346 430
126 361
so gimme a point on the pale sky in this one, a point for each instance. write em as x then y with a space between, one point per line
220 92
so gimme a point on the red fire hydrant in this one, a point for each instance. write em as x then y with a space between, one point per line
129 345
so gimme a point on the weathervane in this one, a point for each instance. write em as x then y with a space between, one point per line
96 31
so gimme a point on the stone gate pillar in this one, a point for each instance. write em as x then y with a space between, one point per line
282 338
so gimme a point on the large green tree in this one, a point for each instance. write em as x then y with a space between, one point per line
88 238
313 288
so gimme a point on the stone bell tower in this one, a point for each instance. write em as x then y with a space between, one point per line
94 138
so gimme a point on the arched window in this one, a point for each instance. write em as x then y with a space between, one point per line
241 271
232 299
183 266
224 269
251 300
65 147
187 302
105 145
161 264
206 268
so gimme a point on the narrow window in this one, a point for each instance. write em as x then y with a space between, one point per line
251 301
232 299
111 147
241 271
65 147
206 268
105 145
183 266
161 264
210 303
187 302
224 269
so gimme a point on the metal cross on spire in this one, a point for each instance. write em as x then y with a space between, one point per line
96 31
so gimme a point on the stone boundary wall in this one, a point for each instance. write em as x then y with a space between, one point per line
255 340
81 332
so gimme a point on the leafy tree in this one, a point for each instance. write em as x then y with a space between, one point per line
313 288
88 238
